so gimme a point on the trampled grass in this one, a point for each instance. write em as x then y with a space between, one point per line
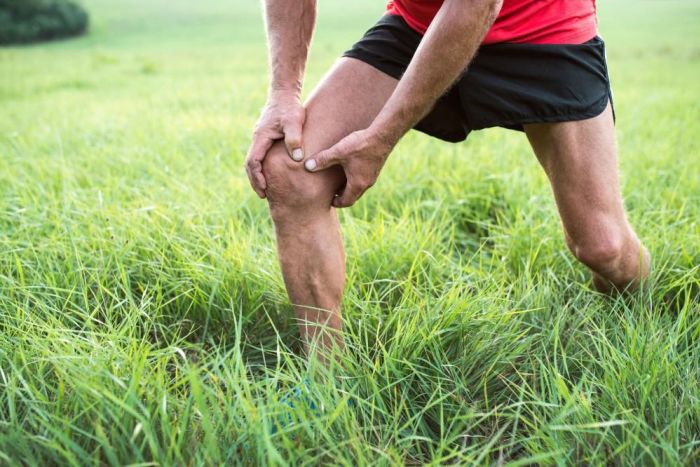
142 310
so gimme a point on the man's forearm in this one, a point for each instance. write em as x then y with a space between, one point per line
444 53
289 26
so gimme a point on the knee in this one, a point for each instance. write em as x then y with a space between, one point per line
290 188
602 253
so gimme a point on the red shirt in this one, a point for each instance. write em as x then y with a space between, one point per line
520 21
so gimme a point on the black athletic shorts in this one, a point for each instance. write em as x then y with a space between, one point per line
506 85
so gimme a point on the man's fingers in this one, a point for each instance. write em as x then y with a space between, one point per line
351 193
292 139
324 159
253 164
257 180
259 147
260 184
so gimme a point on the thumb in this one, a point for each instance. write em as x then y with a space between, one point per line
292 139
324 159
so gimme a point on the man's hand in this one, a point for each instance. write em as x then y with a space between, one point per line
361 155
282 117
442 56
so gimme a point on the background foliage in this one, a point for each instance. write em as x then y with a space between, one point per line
142 313
23 21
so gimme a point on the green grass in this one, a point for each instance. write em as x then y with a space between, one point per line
142 313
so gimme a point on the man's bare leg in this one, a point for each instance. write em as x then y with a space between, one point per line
308 233
580 159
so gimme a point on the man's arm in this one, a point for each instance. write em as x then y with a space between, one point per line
447 48
289 26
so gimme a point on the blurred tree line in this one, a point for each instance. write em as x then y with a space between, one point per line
24 21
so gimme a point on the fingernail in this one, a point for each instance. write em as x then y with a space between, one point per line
297 155
310 164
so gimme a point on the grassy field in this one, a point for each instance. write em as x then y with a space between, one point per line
142 313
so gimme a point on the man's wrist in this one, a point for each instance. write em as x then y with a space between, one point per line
285 90
384 134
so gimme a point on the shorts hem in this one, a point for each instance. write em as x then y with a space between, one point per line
518 123
375 62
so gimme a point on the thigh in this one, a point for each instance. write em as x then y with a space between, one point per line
347 99
580 159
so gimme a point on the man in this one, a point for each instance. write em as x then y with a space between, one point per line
532 65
